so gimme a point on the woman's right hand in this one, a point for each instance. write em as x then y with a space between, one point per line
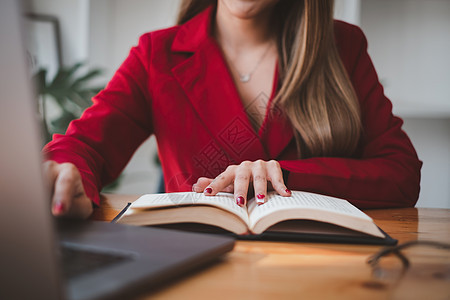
68 197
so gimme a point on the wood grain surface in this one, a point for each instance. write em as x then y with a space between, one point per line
283 270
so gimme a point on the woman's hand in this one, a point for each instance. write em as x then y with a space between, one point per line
67 192
237 179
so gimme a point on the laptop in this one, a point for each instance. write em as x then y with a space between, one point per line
121 260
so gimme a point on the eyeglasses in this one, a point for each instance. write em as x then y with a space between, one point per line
374 260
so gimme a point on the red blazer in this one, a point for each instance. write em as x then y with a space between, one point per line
176 85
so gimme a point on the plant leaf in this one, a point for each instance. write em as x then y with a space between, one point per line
63 75
60 125
88 76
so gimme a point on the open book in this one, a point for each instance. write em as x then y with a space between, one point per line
302 213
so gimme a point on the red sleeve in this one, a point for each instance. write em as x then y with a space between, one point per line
387 173
103 140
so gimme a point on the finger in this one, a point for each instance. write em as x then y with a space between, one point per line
65 188
221 182
50 171
81 206
260 181
201 184
241 182
197 189
229 189
275 176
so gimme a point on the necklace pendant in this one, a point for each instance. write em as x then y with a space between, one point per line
244 78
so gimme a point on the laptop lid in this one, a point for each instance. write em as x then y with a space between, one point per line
28 252
26 226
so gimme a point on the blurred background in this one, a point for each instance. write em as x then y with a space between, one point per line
76 45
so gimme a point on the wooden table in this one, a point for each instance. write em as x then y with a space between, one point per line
282 270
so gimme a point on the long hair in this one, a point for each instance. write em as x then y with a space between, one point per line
316 93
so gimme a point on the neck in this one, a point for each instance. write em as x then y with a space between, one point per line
238 34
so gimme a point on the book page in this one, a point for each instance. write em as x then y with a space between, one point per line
304 200
303 205
223 201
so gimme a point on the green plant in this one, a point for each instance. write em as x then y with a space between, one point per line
70 91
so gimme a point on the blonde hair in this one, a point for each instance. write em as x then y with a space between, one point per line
316 93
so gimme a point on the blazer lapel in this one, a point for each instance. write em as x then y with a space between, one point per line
207 83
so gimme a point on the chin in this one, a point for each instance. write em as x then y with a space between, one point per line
247 9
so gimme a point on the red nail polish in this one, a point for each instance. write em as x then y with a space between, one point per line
240 201
287 191
208 190
260 196
59 207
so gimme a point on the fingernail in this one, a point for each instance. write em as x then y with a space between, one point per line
59 207
260 199
208 190
240 201
193 187
287 191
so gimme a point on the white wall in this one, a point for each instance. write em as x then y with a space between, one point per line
409 41
115 26
348 11
431 138
71 14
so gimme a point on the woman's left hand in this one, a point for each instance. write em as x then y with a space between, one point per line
238 178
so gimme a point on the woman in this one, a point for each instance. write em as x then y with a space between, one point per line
244 96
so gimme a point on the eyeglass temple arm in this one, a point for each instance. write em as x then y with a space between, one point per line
373 260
